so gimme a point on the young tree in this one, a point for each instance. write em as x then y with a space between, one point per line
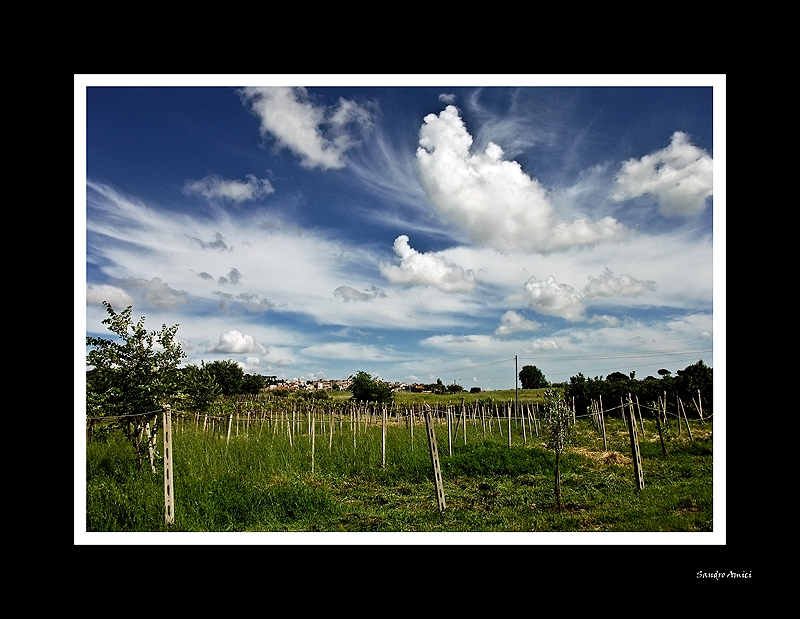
132 375
558 424
532 377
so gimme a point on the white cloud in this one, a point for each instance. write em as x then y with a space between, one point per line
158 293
97 293
236 342
318 135
214 187
679 176
511 323
418 269
605 320
610 285
540 345
553 299
492 199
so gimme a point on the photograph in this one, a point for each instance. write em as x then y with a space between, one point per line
400 309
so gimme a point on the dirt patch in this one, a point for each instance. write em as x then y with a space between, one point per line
604 457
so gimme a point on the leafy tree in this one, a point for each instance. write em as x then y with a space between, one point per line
366 389
694 378
132 375
228 374
558 424
455 388
252 384
199 387
532 377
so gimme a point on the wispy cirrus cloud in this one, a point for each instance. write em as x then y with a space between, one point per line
347 293
317 134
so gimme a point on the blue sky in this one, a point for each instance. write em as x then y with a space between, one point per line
412 227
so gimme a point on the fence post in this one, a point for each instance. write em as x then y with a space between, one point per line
169 488
449 432
700 406
637 458
437 472
686 419
384 420
509 425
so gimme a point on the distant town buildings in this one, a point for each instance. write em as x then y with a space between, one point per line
328 384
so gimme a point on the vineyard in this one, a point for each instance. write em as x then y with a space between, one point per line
285 465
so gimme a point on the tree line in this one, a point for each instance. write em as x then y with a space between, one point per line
131 376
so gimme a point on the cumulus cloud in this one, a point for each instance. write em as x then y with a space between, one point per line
214 187
610 285
541 345
418 269
346 293
97 293
511 323
563 301
680 177
553 299
492 199
236 342
318 135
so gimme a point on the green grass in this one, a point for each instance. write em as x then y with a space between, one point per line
260 482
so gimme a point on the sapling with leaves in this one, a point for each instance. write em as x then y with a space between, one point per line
132 375
558 427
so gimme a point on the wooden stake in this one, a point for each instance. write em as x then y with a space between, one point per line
437 473
383 437
169 494
313 432
509 425
449 433
637 458
688 429
660 433
641 420
700 406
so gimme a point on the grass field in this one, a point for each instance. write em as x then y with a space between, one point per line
262 478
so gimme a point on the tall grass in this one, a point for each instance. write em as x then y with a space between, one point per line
262 480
